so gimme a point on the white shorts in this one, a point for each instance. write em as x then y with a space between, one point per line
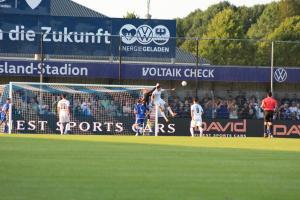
160 103
64 118
196 122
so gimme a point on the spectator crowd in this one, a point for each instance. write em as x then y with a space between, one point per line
238 107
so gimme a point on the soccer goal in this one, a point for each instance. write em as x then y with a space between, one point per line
94 109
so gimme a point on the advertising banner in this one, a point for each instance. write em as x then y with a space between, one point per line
87 36
177 127
36 7
148 71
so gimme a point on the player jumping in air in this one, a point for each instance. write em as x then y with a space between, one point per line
147 95
4 115
140 112
269 105
63 109
196 115
157 100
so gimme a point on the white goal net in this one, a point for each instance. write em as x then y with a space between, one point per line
94 109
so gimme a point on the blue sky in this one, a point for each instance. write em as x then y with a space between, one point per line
160 9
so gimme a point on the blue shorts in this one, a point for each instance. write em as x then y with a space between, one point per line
3 117
140 121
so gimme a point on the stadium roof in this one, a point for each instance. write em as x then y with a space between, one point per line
70 8
181 57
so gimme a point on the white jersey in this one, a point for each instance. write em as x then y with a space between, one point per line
63 109
197 111
156 95
197 115
157 100
63 106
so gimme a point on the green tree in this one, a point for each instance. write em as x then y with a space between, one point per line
249 15
185 30
224 25
286 49
195 25
287 53
131 15
213 10
267 22
289 8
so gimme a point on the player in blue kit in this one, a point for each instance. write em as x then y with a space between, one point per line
140 111
4 115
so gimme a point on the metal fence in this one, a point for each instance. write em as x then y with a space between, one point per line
238 99
166 50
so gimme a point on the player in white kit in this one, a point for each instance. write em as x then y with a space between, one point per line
157 100
63 109
196 114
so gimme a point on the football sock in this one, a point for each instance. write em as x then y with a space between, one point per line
67 128
170 110
201 131
164 116
192 131
61 126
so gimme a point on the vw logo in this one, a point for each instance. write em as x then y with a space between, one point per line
280 75
144 34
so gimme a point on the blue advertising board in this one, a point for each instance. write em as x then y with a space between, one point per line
149 71
40 7
144 38
87 36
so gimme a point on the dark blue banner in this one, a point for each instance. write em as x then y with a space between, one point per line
58 69
146 38
7 4
87 36
34 7
150 72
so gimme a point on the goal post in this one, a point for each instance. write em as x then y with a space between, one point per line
95 109
10 119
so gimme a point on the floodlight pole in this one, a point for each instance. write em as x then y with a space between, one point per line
120 59
148 16
10 95
197 66
41 59
272 67
41 69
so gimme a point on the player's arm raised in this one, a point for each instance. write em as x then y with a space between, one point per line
171 89
152 96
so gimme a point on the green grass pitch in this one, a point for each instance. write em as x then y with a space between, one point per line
54 167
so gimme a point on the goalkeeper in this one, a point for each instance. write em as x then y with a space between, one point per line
4 114
147 98
147 95
140 112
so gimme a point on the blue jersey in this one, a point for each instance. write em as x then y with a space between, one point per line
4 111
5 107
140 110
